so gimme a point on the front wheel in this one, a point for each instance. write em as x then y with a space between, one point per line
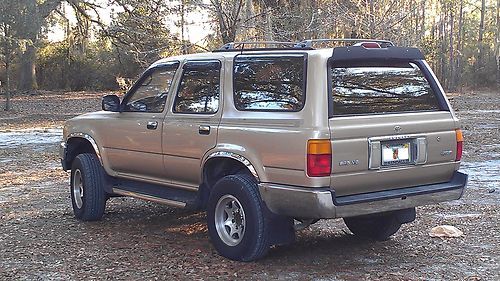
88 197
236 219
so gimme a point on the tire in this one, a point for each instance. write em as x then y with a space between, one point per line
88 197
236 219
378 228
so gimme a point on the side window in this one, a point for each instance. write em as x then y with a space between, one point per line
269 83
151 91
199 88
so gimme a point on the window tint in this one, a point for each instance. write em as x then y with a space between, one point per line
269 83
381 89
199 88
150 94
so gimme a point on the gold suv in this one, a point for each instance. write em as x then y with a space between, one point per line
269 137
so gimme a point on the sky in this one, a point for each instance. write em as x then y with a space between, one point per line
195 31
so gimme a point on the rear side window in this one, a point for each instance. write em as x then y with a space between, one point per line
199 88
269 83
381 89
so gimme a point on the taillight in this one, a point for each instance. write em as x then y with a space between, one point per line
319 158
460 144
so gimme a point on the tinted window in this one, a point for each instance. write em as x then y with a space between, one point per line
381 89
151 91
199 88
269 83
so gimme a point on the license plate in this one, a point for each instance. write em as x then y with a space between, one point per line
395 153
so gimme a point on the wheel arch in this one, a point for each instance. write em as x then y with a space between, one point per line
78 143
220 164
212 158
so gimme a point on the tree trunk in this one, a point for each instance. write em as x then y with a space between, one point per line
183 23
458 66
7 85
442 40
27 76
268 36
372 20
497 42
451 62
480 37
422 23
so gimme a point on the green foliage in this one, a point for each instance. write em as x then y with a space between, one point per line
60 66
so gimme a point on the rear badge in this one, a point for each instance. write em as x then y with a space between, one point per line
349 162
446 152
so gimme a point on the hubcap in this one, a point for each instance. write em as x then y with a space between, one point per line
230 220
78 188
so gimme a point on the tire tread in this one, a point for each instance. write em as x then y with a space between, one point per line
93 178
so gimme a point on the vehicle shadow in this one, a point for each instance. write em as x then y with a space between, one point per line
327 241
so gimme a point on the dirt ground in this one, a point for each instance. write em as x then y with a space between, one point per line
40 239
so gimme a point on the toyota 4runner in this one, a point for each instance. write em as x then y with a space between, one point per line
269 137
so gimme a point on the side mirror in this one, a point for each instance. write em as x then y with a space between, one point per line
111 103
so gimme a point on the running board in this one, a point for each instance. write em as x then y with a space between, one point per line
146 197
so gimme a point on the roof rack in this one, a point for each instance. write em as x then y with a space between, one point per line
303 45
310 43
257 45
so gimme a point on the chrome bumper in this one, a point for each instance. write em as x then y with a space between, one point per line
321 203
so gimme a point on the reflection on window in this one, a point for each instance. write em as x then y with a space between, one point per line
269 83
151 94
199 90
381 89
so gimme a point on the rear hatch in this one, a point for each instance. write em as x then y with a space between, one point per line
390 124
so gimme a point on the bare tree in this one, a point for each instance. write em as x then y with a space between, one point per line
481 35
228 14
497 42
8 44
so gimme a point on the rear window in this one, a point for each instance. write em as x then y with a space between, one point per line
269 83
381 89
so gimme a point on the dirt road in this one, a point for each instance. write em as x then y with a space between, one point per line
40 239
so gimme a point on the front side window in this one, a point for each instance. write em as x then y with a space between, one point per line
379 89
199 88
151 91
269 83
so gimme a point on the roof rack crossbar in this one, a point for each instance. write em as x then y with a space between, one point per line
309 43
256 44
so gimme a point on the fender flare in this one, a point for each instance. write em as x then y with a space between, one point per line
89 139
234 156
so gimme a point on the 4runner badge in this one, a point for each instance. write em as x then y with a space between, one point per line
349 162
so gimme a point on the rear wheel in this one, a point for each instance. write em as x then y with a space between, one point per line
88 197
236 219
379 227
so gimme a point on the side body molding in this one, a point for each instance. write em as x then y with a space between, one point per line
237 157
89 139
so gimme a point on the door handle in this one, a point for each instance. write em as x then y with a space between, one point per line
204 130
152 125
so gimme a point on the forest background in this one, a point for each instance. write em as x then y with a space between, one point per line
74 45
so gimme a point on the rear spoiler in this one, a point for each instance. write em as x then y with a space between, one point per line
360 53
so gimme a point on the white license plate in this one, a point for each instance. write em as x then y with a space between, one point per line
395 153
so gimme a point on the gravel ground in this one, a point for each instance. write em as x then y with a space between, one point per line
40 239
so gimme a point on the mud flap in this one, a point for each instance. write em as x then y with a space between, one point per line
280 228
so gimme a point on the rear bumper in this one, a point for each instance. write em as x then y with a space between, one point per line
321 203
